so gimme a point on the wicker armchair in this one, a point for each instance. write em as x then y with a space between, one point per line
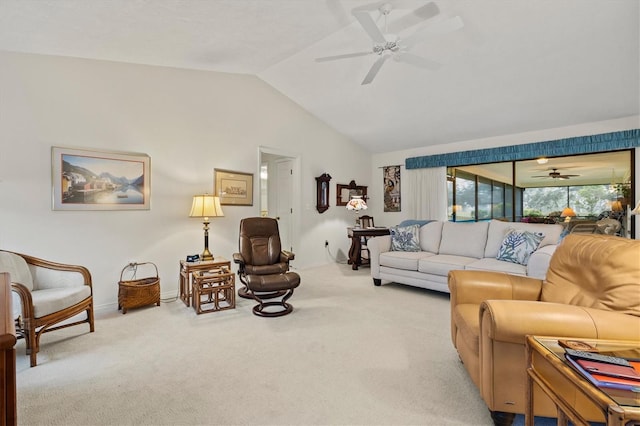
49 293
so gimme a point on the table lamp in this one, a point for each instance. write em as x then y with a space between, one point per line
567 213
356 203
206 206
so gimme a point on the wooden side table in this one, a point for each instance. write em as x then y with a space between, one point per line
186 272
215 289
356 235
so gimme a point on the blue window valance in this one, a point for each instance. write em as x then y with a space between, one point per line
614 141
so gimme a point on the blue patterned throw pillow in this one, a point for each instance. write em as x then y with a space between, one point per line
517 246
405 238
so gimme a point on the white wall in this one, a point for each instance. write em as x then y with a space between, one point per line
398 157
188 122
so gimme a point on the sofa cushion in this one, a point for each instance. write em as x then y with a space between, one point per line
403 260
430 236
17 268
464 239
498 229
595 271
405 238
488 264
443 263
518 245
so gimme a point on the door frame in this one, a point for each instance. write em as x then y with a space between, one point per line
296 187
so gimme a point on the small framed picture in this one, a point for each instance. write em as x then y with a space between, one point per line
99 180
233 188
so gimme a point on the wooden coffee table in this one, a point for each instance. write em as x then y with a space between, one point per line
576 398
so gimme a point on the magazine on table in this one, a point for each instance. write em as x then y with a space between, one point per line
608 375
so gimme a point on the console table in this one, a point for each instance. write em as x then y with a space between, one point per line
356 235
7 355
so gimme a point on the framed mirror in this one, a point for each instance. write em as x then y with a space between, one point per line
345 192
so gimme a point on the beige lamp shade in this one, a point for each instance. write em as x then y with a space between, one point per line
206 206
636 210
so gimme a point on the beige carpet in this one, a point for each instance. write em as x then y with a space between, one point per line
350 353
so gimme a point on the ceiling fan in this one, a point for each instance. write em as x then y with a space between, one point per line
554 174
387 42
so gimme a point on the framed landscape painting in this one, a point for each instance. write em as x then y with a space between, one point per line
99 180
233 188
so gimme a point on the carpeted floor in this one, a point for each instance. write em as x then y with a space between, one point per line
350 353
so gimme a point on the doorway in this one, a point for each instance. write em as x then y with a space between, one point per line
280 193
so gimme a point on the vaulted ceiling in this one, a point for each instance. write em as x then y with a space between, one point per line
514 66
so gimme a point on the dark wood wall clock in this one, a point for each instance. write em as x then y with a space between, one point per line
322 191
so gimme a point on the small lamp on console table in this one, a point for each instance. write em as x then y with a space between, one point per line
206 206
356 203
567 213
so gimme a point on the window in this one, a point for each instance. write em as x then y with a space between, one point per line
590 184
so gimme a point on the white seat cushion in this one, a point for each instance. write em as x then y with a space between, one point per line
443 263
488 264
407 260
52 300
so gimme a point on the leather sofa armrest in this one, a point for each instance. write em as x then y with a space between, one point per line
552 319
474 287
377 245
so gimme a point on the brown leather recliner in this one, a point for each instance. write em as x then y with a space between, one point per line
263 267
591 290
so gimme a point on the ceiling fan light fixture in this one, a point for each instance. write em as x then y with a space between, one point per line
542 160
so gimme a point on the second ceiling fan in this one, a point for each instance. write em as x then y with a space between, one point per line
387 42
554 174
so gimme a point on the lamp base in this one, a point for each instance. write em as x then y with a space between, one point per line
206 255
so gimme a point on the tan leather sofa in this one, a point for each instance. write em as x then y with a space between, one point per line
592 290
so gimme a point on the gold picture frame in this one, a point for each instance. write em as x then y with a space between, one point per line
233 188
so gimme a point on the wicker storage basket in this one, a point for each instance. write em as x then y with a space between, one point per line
134 293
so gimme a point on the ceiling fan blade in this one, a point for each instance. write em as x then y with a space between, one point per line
433 27
369 26
417 61
414 18
373 71
345 56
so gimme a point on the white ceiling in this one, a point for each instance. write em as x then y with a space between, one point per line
516 66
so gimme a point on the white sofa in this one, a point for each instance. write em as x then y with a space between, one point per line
447 246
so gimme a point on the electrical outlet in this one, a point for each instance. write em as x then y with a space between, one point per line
326 243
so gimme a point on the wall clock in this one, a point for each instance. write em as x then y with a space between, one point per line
322 191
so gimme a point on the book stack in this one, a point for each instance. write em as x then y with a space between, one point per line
606 371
